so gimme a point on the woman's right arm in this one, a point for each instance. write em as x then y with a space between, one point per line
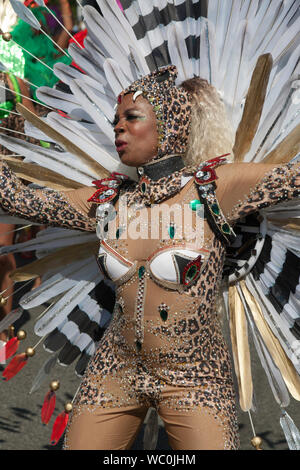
67 209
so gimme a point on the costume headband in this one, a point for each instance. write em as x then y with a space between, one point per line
172 106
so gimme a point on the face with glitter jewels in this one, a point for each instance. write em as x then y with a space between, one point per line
135 128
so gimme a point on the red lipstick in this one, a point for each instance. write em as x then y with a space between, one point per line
120 145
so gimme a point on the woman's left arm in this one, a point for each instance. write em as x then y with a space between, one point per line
243 188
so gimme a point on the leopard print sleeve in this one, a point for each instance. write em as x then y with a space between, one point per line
281 183
43 206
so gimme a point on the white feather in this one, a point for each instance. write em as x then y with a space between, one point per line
66 73
25 14
84 133
178 52
94 111
65 305
115 77
60 282
50 241
97 95
115 17
97 152
64 101
62 163
11 318
86 62
43 373
109 43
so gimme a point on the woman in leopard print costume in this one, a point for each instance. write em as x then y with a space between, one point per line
164 347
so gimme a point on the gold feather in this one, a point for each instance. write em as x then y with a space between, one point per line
240 348
287 149
289 223
98 170
284 364
60 258
40 175
253 107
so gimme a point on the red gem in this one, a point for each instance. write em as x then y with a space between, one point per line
212 177
48 406
9 349
94 197
197 263
119 99
98 184
121 176
15 365
214 161
103 183
59 427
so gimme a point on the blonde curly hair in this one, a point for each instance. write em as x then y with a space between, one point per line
210 133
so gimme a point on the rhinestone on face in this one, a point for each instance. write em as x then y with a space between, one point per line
109 192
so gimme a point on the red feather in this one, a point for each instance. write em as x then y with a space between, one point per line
15 365
59 427
48 407
9 349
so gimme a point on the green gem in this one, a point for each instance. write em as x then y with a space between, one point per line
118 233
142 269
171 231
215 208
138 346
45 144
164 314
225 228
191 273
143 187
194 204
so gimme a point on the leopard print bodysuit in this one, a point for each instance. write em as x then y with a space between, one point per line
164 347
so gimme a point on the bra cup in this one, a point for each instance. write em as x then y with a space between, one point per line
113 265
168 266
163 267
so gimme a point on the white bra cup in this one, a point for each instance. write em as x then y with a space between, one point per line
114 264
164 266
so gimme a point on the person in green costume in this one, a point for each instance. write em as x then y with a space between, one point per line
43 48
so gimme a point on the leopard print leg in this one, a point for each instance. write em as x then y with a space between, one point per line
210 424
